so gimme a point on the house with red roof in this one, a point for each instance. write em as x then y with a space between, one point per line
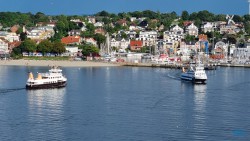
14 28
136 45
73 40
14 45
122 22
187 23
52 24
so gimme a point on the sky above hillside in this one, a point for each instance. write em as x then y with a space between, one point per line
80 7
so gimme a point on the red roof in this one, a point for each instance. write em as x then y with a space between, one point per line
136 43
100 31
122 21
15 44
71 39
187 23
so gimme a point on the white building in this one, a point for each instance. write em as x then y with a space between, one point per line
148 37
98 24
177 30
71 50
192 30
120 44
10 36
208 27
4 46
132 35
114 43
132 19
91 41
41 33
242 54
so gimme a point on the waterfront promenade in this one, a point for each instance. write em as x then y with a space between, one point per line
98 64
55 63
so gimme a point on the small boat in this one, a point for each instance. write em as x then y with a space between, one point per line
210 67
195 73
52 79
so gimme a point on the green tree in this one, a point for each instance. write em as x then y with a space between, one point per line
73 26
220 17
45 46
99 38
89 49
247 28
152 25
232 39
185 15
237 18
90 27
28 45
136 14
193 16
103 13
246 18
58 47
16 53
189 38
106 20
41 17
23 36
205 16
124 35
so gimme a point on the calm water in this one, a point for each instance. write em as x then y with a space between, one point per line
123 103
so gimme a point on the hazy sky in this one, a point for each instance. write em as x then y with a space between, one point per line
79 7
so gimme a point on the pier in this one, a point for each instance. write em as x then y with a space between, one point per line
178 66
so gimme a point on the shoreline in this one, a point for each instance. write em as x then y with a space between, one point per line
65 63
55 63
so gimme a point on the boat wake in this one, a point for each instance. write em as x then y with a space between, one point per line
3 91
174 75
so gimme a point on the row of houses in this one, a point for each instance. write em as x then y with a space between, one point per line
137 34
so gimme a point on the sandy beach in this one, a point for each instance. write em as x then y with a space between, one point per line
55 63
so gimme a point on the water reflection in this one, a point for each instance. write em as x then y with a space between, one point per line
46 112
51 98
199 111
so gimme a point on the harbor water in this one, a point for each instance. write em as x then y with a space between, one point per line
126 103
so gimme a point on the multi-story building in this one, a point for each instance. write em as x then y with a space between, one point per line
149 38
41 33
4 46
10 36
120 44
136 45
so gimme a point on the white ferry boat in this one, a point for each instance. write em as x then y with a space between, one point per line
195 73
52 79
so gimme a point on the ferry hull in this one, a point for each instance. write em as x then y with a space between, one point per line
47 86
202 81
193 79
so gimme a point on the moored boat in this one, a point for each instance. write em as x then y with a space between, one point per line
52 79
